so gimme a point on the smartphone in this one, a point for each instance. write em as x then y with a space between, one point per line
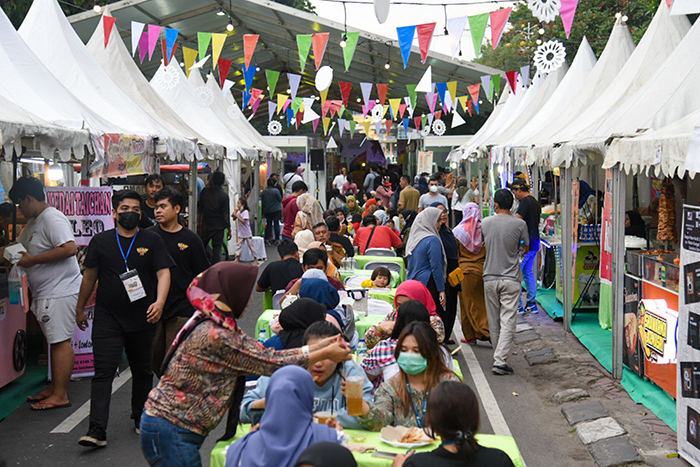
256 415
384 454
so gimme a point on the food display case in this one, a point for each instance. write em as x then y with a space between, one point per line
13 336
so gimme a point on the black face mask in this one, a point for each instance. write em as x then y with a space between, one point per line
129 220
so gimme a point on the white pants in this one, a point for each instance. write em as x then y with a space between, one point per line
501 308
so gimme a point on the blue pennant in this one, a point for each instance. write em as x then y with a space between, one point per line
290 115
406 34
246 98
170 37
406 121
248 76
442 89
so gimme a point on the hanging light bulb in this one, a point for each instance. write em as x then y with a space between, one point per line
541 31
97 8
229 26
624 18
539 41
359 100
387 65
344 41
618 15
221 12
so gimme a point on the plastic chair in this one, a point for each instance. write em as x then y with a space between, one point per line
355 282
276 298
391 266
379 252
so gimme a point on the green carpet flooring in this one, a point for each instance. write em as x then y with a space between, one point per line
14 394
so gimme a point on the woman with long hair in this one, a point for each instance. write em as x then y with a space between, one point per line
310 213
403 400
336 200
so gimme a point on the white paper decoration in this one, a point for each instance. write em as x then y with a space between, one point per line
549 56
377 113
544 10
234 112
169 78
439 127
205 97
425 131
274 127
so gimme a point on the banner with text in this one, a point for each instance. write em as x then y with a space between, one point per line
119 155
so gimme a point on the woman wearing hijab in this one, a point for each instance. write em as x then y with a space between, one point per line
303 239
286 428
206 366
382 217
407 291
449 243
324 293
353 206
426 256
349 187
294 320
634 224
472 254
460 199
337 201
384 192
326 454
310 213
370 202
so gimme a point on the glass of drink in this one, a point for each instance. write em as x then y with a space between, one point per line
353 394
322 417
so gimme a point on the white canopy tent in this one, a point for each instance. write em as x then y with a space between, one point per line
460 152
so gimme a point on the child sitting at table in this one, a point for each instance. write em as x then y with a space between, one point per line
453 416
327 377
381 277
403 400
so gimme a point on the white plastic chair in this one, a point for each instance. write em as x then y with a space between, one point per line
276 298
380 252
391 266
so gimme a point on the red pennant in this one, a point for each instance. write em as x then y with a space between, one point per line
108 23
499 18
326 108
402 109
438 114
249 42
345 91
166 59
512 77
417 121
388 126
299 116
470 106
224 67
255 93
425 36
319 41
382 91
474 91
172 54
669 3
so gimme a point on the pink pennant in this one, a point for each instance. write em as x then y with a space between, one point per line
512 77
319 42
417 121
286 105
256 104
315 124
382 90
568 10
402 110
474 91
108 23
326 108
371 104
499 19
143 45
249 42
431 99
153 34
425 36
669 3
254 92
365 109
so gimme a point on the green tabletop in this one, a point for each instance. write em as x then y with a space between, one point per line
344 274
362 260
362 323
386 295
504 443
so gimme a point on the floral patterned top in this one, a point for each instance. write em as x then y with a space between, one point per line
196 390
388 409
375 334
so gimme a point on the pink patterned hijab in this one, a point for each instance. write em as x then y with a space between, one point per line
468 232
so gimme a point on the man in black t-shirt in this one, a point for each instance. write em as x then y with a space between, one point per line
333 225
133 268
153 184
529 210
187 250
214 215
278 274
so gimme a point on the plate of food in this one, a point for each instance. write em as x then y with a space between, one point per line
404 437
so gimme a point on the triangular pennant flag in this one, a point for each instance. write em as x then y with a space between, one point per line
367 124
452 88
425 37
272 78
406 34
341 126
170 38
425 119
477 28
136 32
294 81
153 34
325 108
366 91
299 117
426 82
326 122
248 76
377 127
567 12
217 44
309 116
512 77
246 98
190 57
203 40
296 103
457 120
143 45
365 109
402 110
386 109
455 28
290 116
308 103
324 95
474 93
345 91
395 105
281 99
370 105
413 95
486 84
463 100
442 89
256 104
286 105
431 99
271 107
319 40
175 46
438 115
249 43
166 59
417 121
525 74
449 102
499 18
496 88
431 117
331 144
353 124
108 23
315 124
304 46
228 84
350 45
382 90
469 108
255 92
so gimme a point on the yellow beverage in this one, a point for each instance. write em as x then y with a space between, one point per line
353 394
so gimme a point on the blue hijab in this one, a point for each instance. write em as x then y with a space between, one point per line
286 428
325 294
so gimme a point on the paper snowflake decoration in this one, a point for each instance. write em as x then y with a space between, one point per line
204 96
234 112
544 10
169 78
274 127
377 113
425 131
549 56
439 127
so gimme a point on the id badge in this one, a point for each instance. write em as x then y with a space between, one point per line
132 284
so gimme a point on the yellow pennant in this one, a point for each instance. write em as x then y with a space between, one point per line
452 87
326 122
190 57
367 125
281 99
324 94
395 104
217 44
463 100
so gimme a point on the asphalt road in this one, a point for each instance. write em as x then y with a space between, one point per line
509 407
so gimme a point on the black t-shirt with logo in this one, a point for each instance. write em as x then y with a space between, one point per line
148 255
530 210
187 250
278 274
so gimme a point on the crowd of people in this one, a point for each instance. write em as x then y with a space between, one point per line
161 302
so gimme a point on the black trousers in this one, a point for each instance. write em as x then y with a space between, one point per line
108 343
449 313
217 242
272 227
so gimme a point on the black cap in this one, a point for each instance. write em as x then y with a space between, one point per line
519 184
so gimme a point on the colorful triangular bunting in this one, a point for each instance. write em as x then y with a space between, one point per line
304 46
499 19
406 34
319 40
136 33
425 37
108 24
153 34
249 42
477 27
217 44
349 50
203 40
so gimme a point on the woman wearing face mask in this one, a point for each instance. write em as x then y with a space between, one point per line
403 400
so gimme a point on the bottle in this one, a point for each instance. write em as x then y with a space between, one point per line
262 337
361 350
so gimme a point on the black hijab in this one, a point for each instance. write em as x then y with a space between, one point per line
637 227
296 318
409 215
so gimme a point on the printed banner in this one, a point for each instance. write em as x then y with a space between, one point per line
119 155
425 162
606 237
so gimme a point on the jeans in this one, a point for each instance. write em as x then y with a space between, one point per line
273 225
501 308
164 444
528 267
109 340
217 242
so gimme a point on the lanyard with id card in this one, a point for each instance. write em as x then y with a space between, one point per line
130 279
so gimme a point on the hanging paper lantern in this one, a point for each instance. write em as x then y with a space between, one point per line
274 127
168 79
544 10
549 56
425 131
204 95
439 127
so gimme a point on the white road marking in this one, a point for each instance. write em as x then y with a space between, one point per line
83 412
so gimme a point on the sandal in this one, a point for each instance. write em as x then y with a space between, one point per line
468 341
49 406
38 397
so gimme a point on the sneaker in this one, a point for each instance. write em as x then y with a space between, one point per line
502 370
92 441
533 309
521 311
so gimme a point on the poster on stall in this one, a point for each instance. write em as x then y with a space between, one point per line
89 211
688 382
606 234
425 162
119 155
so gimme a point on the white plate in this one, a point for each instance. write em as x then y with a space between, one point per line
396 444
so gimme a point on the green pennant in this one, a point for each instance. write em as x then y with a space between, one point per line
349 50
272 77
495 86
203 40
477 26
296 104
304 46
353 124
412 93
424 120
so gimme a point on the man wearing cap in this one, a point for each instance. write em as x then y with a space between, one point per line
529 210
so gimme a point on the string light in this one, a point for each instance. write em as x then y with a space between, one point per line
344 39
387 65
229 26
97 8
221 12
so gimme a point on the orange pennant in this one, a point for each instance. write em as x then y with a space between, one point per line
249 43
319 41
108 23
382 91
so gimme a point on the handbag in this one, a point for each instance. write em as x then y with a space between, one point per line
455 277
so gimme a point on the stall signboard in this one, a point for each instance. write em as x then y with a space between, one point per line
606 236
89 211
425 162
688 382
119 155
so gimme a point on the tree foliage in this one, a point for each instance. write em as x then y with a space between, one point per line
594 19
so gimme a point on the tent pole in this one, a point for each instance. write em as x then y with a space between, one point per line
15 158
566 244
192 208
618 273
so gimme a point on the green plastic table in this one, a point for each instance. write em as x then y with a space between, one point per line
504 443
362 323
344 274
362 260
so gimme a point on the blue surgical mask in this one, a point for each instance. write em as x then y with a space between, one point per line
412 363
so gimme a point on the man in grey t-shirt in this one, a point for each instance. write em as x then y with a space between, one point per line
433 196
504 237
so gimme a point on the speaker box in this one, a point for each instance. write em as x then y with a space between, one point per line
316 156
